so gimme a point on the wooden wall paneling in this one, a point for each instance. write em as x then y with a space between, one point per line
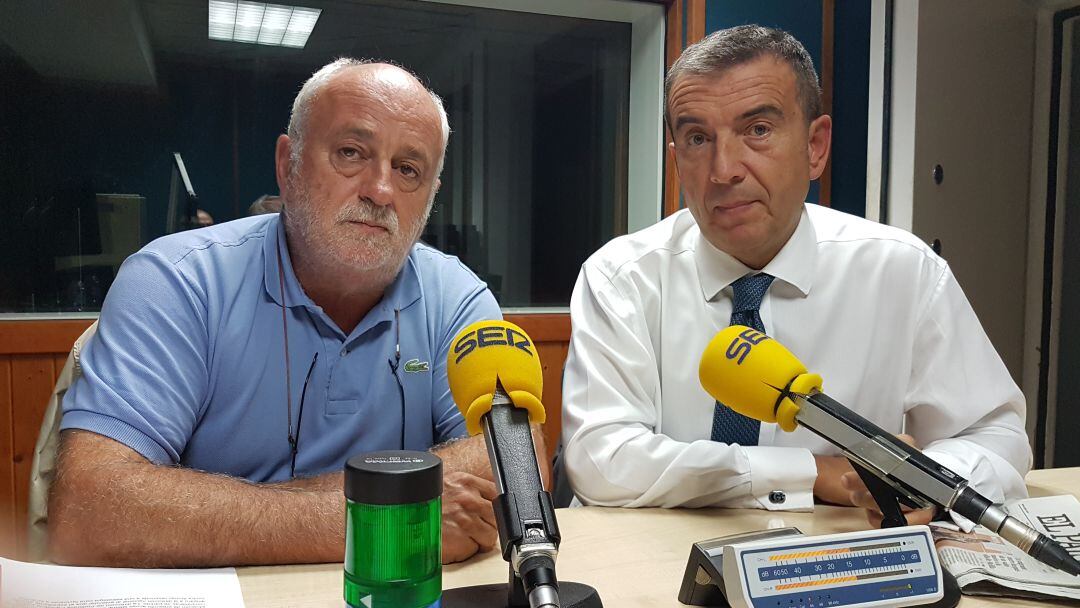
7 467
551 335
40 337
672 186
32 380
673 48
553 358
673 33
543 327
695 21
827 22
59 359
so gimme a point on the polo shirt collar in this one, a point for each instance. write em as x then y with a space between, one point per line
402 293
794 264
405 290
272 273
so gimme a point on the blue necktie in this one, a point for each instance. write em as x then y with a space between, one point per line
728 425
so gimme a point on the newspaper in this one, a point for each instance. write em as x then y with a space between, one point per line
985 564
24 585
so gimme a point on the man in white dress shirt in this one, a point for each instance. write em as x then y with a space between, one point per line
869 307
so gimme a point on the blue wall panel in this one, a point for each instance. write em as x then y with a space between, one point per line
851 81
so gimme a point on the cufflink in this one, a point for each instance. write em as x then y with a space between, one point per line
777 497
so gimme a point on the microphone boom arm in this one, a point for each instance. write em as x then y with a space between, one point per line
906 474
745 369
919 481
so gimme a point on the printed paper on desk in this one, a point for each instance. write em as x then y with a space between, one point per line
25 585
984 564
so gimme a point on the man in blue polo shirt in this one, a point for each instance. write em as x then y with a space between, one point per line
237 367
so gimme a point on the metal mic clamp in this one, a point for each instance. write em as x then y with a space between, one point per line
886 497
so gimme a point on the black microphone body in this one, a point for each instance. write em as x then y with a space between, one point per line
917 479
524 514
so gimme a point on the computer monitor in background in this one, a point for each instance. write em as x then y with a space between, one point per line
183 203
69 216
82 276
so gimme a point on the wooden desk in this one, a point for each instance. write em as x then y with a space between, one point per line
633 557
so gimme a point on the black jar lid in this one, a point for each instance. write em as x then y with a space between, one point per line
393 477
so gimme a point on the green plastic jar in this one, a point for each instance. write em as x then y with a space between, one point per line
393 530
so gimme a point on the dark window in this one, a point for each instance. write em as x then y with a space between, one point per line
99 96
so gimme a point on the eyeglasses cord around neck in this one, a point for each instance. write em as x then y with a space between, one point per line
294 439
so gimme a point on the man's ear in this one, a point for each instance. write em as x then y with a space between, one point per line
282 150
674 157
818 144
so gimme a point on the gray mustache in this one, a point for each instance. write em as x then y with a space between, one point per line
369 213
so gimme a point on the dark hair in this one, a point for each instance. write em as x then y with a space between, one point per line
724 49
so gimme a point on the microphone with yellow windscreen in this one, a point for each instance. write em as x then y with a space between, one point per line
488 355
496 380
756 376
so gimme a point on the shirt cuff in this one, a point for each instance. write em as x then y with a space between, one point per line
781 478
119 431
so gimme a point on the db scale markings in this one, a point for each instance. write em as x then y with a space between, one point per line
813 568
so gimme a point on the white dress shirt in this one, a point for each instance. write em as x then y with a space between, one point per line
869 307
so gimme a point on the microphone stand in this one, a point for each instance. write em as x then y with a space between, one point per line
889 500
525 517
512 595
886 497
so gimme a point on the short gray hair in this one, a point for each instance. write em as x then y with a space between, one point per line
301 108
725 49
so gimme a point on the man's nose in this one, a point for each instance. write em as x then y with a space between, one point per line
727 166
378 185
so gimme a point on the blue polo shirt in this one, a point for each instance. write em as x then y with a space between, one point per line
188 364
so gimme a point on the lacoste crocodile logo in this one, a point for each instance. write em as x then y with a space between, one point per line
415 366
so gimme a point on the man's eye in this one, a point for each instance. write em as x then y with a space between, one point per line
696 139
349 153
409 171
760 130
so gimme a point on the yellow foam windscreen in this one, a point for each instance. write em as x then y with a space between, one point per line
490 352
753 374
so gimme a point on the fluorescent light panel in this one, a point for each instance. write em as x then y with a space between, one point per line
261 23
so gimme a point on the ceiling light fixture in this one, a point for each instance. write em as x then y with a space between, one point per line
261 23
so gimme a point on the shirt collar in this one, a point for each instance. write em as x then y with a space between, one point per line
794 264
272 272
405 290
402 293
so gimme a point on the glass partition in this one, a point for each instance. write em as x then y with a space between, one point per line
105 100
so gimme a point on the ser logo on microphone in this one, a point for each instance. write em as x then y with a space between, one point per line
743 343
491 336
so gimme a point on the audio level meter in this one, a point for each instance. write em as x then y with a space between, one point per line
785 569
